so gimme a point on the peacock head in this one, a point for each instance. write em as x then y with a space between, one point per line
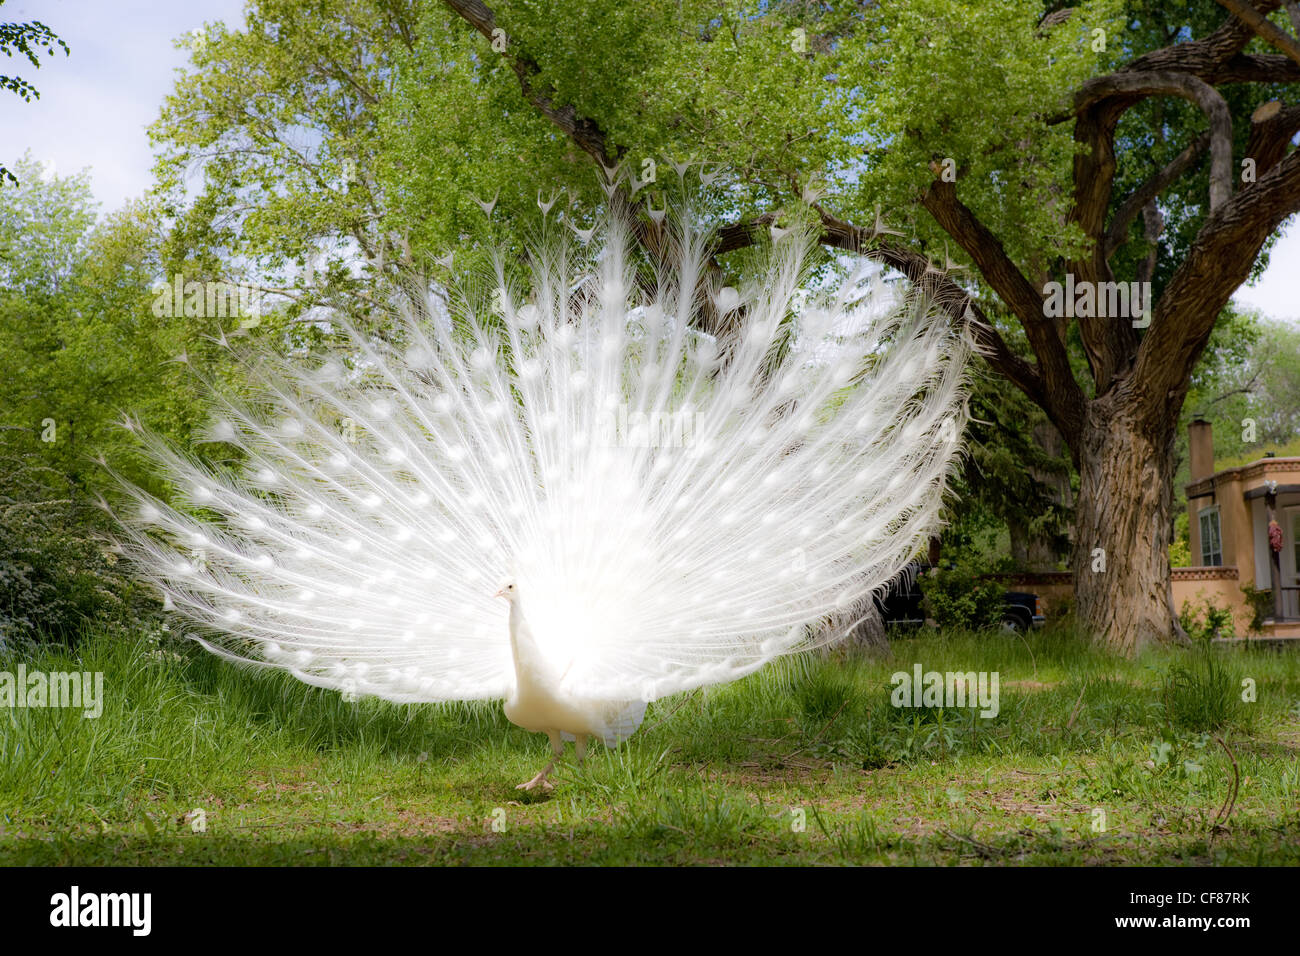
507 590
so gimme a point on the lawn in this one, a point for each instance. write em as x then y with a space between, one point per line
1090 760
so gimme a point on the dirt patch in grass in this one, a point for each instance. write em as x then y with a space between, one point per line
412 824
284 780
1030 685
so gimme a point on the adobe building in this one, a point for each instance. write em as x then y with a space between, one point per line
1244 527
1231 512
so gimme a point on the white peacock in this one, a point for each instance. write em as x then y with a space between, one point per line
668 509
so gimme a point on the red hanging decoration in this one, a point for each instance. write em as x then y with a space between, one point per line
1275 535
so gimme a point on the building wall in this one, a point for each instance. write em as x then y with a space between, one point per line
1238 542
1243 527
1218 586
1197 586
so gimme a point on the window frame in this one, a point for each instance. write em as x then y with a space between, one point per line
1202 516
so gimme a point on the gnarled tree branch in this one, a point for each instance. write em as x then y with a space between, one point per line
1119 91
1215 266
1264 27
586 134
1271 129
956 301
1062 398
1202 58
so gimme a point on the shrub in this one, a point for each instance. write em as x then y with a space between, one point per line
52 580
1204 622
1260 601
959 598
56 575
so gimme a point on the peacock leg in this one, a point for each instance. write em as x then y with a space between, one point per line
580 747
557 749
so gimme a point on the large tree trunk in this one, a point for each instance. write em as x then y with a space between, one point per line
1121 564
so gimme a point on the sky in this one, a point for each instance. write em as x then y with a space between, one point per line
96 103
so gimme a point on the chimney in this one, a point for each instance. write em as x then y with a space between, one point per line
1200 444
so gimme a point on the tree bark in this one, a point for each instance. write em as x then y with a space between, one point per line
1122 521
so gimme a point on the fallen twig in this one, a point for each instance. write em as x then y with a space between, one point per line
983 849
1225 811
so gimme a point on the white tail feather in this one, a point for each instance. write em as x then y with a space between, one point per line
676 511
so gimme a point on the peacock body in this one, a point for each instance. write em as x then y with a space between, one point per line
668 508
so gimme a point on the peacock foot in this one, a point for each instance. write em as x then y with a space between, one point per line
537 781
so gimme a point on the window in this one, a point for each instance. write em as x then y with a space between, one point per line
1211 539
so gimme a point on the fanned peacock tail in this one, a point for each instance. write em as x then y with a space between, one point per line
677 509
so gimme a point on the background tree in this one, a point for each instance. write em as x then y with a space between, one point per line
1270 381
82 343
1015 485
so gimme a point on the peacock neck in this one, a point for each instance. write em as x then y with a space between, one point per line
534 674
513 628
522 649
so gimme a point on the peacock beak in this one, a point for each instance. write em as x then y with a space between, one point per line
501 592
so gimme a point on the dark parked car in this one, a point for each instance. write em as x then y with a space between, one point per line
900 603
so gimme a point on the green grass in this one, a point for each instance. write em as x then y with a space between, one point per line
805 763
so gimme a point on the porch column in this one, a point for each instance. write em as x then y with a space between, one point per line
1274 557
